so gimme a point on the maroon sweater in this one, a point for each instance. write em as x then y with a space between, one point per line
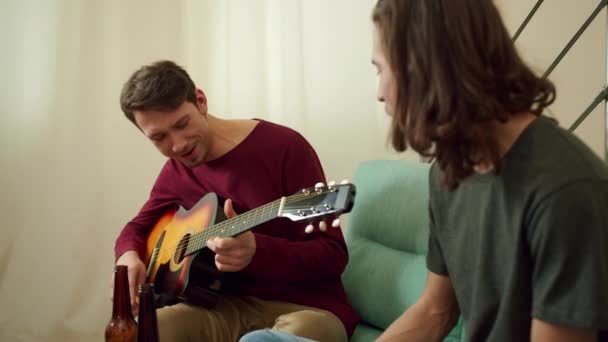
289 265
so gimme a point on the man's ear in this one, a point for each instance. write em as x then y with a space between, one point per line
201 100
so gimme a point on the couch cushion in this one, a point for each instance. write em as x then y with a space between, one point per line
365 332
391 206
387 236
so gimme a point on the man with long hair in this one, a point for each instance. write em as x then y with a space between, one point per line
518 206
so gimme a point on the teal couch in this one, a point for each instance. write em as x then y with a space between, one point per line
387 236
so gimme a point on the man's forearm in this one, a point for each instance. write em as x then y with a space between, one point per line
544 332
420 323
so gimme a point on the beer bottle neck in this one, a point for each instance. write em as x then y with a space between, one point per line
122 299
147 326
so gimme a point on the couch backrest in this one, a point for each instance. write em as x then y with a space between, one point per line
387 236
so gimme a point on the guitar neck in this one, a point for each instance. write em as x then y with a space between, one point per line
236 225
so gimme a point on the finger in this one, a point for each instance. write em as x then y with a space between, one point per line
226 267
235 253
136 277
225 245
228 209
212 244
226 260
141 278
142 274
243 238
215 244
132 288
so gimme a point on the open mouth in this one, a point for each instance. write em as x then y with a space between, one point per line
189 153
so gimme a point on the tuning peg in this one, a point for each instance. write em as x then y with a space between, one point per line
336 223
309 228
344 181
331 183
319 185
323 226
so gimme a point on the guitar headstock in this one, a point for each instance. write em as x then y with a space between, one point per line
319 202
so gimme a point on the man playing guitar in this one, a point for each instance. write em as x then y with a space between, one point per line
275 275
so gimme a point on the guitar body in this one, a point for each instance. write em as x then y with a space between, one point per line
192 278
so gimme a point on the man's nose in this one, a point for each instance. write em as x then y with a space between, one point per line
179 145
379 94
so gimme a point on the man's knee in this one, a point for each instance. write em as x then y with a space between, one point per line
183 322
266 335
317 325
174 322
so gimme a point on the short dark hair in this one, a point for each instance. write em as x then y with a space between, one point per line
456 70
162 85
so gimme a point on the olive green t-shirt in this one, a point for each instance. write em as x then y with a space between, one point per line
528 242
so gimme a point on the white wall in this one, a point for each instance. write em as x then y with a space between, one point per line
581 75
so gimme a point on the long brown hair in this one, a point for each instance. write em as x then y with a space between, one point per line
162 85
456 70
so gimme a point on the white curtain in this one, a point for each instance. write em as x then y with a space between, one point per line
74 170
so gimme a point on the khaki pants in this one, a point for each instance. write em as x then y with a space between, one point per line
233 317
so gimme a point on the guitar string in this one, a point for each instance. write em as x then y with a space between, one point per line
213 230
220 229
175 245
228 229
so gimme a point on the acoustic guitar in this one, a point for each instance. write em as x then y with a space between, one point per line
181 266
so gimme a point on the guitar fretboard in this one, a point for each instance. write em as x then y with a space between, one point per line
234 226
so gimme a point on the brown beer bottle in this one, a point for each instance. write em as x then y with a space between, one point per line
147 328
122 326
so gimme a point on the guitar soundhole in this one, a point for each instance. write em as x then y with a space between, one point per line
180 251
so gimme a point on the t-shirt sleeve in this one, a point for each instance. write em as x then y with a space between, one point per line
568 236
434 258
